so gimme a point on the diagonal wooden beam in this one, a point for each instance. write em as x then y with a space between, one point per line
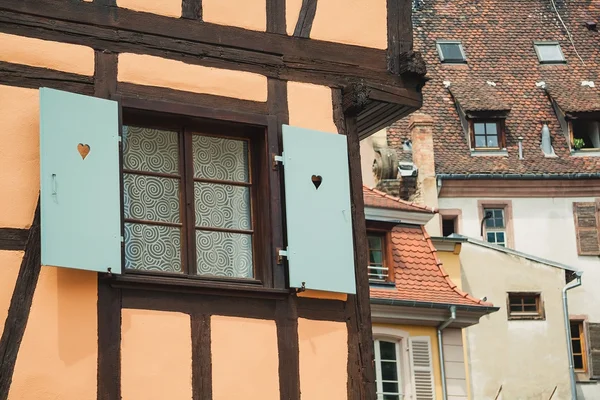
306 18
20 305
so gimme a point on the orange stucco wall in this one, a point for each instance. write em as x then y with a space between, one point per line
10 261
248 14
169 8
319 294
323 348
19 155
157 71
245 361
311 106
156 355
357 22
47 54
58 355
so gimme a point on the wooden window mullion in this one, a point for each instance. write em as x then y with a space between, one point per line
190 208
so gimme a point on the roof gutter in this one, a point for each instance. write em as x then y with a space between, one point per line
594 175
441 349
569 286
427 304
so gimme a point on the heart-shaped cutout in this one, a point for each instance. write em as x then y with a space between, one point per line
83 149
316 180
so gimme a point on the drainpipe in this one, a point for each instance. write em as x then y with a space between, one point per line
569 286
441 349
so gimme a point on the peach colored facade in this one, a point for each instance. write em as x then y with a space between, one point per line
89 335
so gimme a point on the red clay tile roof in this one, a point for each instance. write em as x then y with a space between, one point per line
419 274
497 37
378 199
474 96
573 97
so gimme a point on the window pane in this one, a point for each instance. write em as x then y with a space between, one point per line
499 214
224 254
388 350
529 300
391 397
576 347
491 128
389 387
479 141
516 308
389 371
375 242
492 141
151 198
150 150
577 361
479 128
451 51
153 248
574 330
500 237
530 308
549 52
222 206
220 159
375 256
491 237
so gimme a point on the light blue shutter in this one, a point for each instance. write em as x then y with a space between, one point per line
80 196
319 221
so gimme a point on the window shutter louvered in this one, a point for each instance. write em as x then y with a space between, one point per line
422 368
320 249
587 228
80 182
594 340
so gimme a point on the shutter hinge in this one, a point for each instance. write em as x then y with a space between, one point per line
276 160
122 239
280 254
120 138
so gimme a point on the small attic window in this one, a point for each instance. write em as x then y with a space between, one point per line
549 53
450 51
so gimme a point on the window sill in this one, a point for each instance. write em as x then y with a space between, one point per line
587 381
586 153
494 153
183 285
526 318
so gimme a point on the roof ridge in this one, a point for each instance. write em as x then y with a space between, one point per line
440 266
401 201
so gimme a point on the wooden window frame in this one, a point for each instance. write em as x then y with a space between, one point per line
581 373
500 128
539 314
507 206
258 138
386 252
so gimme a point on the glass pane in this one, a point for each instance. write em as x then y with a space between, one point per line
224 254
389 387
491 237
479 141
529 300
516 308
498 214
576 347
578 362
391 397
375 256
151 198
375 242
549 52
150 150
492 141
152 248
221 159
575 330
451 52
479 128
530 308
491 128
388 350
500 237
222 206
389 371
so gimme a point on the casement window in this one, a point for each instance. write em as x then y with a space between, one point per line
388 370
585 134
190 203
587 227
487 134
549 53
524 305
451 52
184 198
495 226
380 259
578 346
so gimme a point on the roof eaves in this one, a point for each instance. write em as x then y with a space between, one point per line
429 304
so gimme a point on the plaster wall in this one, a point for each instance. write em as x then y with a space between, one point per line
168 8
528 358
248 14
156 71
367 155
47 54
311 106
58 356
156 355
544 227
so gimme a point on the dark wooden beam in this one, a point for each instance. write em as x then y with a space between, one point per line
105 74
13 238
287 343
20 305
106 3
276 17
191 9
35 77
306 18
109 341
201 357
400 40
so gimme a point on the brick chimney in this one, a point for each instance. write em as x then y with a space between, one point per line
421 132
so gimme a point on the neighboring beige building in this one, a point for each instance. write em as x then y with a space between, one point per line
520 351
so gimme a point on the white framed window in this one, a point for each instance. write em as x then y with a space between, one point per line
495 226
388 370
549 53
451 51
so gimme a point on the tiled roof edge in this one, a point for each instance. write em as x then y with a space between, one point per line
407 203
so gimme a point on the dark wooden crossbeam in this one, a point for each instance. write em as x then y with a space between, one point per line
13 239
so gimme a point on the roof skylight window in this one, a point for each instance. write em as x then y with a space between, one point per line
451 51
549 53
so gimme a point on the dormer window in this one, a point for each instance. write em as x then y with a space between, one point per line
585 134
451 52
487 134
549 53
379 270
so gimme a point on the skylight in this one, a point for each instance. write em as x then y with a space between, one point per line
450 51
549 53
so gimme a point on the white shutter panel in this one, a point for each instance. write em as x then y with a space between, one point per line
422 368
